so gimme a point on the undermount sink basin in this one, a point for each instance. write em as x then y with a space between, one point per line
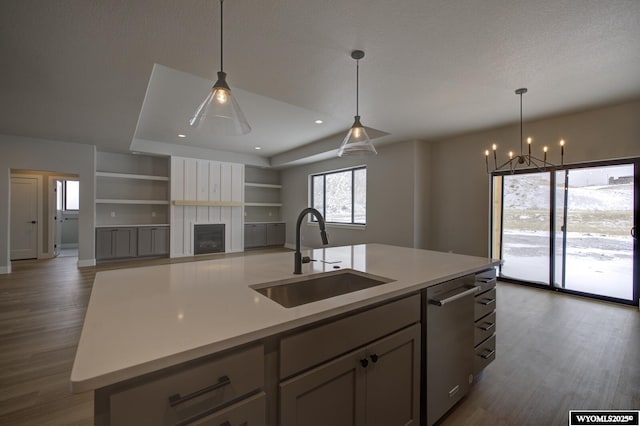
301 290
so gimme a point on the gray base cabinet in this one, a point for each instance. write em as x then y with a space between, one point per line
153 241
376 385
116 243
485 321
264 234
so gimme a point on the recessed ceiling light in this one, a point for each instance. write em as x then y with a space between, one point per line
180 135
318 121
258 147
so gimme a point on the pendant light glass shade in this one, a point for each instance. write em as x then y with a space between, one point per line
357 141
220 113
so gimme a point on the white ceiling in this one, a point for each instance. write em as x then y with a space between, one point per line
79 70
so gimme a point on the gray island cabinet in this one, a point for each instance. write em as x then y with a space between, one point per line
207 349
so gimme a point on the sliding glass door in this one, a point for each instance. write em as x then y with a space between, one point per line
570 229
596 231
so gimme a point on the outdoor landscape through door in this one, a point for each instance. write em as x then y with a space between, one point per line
569 229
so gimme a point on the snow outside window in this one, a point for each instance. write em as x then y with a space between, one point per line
341 196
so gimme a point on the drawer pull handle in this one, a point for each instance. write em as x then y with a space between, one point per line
487 355
364 362
442 302
486 302
374 358
176 399
487 326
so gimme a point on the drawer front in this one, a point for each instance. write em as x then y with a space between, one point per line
484 328
248 412
484 355
486 280
302 350
183 393
485 303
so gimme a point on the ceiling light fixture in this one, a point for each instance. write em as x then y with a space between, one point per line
258 148
318 121
357 140
523 159
220 107
180 135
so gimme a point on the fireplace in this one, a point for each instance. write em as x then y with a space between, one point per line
208 238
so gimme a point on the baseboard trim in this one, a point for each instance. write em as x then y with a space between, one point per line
86 262
5 269
290 246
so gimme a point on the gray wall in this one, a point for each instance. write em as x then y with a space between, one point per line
459 202
53 156
391 197
435 194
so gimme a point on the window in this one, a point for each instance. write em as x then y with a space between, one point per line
71 195
341 196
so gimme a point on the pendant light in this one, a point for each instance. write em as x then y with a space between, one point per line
220 110
357 141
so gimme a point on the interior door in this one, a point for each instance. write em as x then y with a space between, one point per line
57 229
24 218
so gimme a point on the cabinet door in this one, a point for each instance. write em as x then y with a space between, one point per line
275 234
125 242
104 243
331 394
393 379
255 235
160 240
144 242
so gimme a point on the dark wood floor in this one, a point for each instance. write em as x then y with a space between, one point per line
554 352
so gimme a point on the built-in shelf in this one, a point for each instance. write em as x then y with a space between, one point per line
263 185
207 203
131 176
263 204
128 225
140 202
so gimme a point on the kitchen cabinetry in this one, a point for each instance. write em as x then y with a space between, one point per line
264 234
375 384
484 321
116 243
153 241
199 393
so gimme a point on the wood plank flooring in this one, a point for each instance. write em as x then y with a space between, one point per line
554 352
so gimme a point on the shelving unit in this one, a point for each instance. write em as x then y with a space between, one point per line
262 203
132 206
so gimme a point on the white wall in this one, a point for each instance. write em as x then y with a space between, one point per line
391 197
459 202
54 156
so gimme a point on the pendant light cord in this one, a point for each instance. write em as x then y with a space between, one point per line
357 84
221 48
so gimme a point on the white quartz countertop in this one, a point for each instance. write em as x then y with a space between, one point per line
140 320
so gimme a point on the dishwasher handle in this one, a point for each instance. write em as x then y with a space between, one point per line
467 291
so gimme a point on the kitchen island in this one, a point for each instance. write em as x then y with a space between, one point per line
145 324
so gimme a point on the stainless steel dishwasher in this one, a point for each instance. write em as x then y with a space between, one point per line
449 344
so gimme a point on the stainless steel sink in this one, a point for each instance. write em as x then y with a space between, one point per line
301 290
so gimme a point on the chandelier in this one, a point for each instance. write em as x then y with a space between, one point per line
522 160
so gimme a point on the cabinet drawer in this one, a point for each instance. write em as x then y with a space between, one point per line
314 346
183 393
484 328
248 412
484 354
485 303
486 280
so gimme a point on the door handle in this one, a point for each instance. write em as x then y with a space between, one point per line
465 293
34 221
633 232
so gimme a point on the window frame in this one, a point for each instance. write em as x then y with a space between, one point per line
324 175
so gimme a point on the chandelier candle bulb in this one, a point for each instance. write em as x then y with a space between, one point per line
561 152
495 159
510 155
545 154
486 159
529 146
